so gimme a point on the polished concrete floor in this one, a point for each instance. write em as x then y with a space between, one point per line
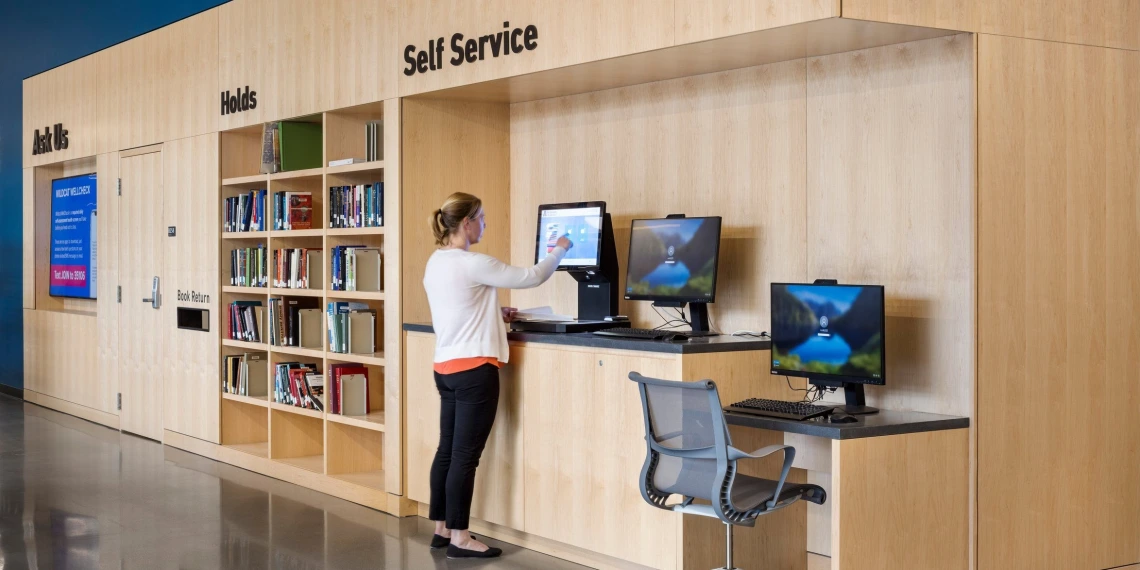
77 495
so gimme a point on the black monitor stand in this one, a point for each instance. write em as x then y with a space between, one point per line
698 314
853 393
597 293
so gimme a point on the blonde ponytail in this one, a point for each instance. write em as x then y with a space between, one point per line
447 219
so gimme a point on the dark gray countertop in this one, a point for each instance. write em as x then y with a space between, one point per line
886 422
722 343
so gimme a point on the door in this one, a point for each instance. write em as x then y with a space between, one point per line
141 277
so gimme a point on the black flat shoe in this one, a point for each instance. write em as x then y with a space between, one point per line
456 552
438 541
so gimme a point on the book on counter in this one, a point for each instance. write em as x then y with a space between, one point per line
345 162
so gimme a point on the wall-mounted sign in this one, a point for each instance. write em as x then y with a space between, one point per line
53 137
235 103
192 297
470 50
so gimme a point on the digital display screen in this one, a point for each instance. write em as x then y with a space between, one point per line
828 330
673 259
582 225
74 227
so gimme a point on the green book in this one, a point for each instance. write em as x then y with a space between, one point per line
300 145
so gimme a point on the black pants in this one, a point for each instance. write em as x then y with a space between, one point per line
469 400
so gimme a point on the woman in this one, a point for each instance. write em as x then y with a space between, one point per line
470 346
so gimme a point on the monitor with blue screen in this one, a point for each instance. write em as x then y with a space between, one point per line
829 332
581 222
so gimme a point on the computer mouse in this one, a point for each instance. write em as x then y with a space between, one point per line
842 418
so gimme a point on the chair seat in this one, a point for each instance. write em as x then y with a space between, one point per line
749 493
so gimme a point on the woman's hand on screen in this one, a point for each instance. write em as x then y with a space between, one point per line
565 243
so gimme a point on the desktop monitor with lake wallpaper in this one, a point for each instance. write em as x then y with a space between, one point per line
831 334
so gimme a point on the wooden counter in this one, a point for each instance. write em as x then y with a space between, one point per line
559 473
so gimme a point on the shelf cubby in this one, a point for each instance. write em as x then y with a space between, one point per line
374 419
311 183
245 427
355 455
375 357
345 132
241 156
297 438
358 176
365 239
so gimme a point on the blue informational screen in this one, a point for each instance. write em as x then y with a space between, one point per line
583 226
74 248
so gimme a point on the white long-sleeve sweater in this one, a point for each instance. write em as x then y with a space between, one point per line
464 306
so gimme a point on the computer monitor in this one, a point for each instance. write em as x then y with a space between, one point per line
673 261
582 223
833 335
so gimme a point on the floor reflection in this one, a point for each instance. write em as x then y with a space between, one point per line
77 495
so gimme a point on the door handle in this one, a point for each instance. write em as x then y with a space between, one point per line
153 300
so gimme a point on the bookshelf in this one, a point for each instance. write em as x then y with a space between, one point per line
319 449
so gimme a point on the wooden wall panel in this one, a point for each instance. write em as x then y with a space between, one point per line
877 482
467 146
190 358
59 357
248 37
65 95
160 86
568 33
28 203
1059 227
668 147
394 385
890 189
698 20
304 57
1111 23
107 313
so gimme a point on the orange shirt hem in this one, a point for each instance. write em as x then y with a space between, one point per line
457 365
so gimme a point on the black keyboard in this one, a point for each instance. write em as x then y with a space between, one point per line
779 409
647 334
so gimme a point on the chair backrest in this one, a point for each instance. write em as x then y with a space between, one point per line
687 440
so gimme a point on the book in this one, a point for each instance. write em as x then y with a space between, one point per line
294 211
354 394
374 140
270 161
310 328
344 161
362 332
337 315
300 145
367 270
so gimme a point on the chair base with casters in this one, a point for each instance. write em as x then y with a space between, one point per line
689 453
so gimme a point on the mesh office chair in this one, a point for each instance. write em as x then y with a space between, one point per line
689 453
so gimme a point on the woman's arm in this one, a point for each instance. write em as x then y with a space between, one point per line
487 270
